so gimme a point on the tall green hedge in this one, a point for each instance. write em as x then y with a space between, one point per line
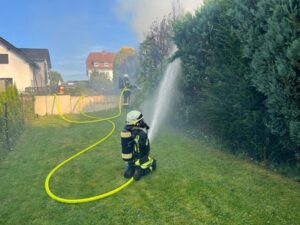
11 118
241 74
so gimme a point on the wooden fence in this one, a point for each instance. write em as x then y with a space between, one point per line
46 105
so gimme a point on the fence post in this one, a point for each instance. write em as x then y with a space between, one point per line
6 127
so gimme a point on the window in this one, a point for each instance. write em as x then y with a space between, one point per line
4 83
105 64
96 64
3 58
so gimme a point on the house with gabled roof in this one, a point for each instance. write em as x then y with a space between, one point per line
23 67
101 62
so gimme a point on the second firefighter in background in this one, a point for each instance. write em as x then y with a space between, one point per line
136 146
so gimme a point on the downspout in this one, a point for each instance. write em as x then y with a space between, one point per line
34 78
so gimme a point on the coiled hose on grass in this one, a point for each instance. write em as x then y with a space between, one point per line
95 120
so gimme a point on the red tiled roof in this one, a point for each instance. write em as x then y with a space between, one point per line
101 58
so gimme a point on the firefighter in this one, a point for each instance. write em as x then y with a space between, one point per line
136 146
125 83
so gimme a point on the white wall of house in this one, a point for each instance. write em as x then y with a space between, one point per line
17 68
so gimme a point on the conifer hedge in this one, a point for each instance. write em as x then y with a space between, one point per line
11 118
241 75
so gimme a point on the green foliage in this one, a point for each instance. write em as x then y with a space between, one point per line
153 56
216 95
11 118
55 77
241 74
270 38
81 88
99 82
125 62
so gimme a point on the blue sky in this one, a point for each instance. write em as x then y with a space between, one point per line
69 29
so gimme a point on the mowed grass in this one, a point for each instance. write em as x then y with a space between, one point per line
194 183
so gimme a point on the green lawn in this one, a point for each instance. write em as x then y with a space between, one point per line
194 183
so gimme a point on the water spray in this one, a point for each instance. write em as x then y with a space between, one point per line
164 98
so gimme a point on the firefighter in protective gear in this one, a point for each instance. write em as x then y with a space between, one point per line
136 146
125 83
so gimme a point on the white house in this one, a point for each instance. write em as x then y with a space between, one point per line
24 67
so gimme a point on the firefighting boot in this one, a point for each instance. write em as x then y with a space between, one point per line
129 170
138 173
153 166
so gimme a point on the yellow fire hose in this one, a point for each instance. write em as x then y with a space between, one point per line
96 119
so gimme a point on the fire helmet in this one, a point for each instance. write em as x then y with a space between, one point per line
133 117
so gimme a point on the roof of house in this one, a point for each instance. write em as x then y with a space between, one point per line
16 50
100 58
37 54
30 55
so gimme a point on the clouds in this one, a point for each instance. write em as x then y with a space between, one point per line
141 13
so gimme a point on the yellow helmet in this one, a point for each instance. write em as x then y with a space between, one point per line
133 117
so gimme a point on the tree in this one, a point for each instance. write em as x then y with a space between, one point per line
217 98
99 82
241 74
270 38
153 54
124 63
55 77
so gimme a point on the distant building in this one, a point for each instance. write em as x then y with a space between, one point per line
24 67
101 62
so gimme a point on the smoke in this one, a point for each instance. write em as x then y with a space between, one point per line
141 13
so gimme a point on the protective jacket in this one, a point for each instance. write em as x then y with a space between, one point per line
124 82
135 143
136 148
